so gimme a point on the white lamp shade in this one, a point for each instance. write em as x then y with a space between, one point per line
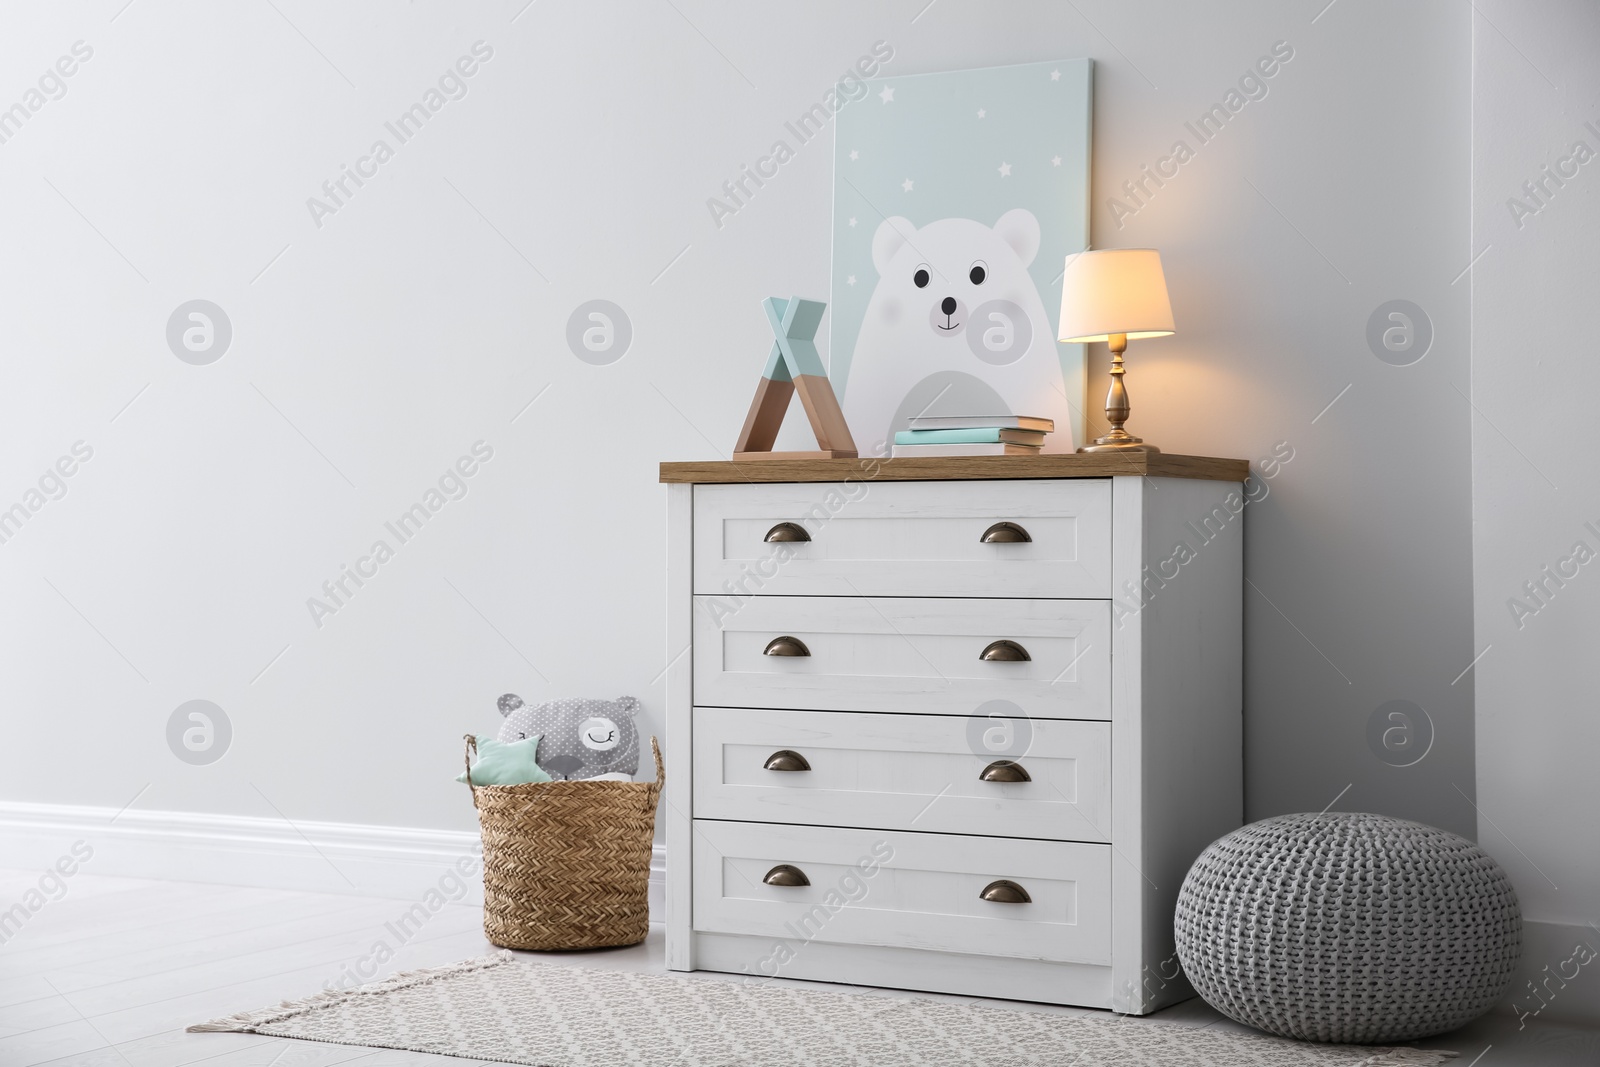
1112 291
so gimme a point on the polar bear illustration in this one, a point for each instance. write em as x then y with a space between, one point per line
955 326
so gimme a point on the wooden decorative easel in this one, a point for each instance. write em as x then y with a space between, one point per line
794 364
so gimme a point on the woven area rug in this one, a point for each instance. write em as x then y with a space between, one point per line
504 1009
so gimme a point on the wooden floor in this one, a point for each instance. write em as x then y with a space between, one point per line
110 974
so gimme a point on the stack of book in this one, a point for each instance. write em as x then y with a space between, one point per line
972 435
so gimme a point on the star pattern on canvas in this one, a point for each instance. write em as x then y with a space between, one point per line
850 280
887 96
981 112
907 185
854 155
852 220
1005 170
1055 161
1055 75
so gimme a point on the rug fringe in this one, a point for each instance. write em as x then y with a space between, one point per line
248 1021
1409 1057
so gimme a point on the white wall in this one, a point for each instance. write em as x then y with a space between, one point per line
1535 86
429 310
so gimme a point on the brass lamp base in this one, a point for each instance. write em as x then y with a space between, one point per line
1127 443
1117 409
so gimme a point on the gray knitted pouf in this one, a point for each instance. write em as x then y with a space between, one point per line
1351 928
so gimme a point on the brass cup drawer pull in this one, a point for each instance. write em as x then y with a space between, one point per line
786 759
1004 652
1004 770
1005 533
793 646
787 531
787 874
1004 891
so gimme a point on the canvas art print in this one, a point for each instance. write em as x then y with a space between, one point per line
957 198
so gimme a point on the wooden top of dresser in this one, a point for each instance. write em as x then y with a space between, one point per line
959 468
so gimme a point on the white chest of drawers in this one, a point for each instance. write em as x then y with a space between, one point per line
957 725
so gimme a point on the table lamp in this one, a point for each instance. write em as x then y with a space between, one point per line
1111 295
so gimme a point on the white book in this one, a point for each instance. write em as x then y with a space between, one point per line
1002 449
969 422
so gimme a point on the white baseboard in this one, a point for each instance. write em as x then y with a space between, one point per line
403 863
317 857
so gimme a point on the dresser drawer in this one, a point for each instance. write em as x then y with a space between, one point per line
905 654
905 772
906 890
905 539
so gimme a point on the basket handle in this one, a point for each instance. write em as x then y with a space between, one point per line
661 768
471 750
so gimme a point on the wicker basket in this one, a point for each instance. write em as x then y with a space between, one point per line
566 864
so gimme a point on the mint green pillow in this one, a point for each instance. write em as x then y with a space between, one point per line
506 764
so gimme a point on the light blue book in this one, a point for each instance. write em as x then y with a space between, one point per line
978 435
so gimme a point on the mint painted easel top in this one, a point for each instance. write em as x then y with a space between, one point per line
794 324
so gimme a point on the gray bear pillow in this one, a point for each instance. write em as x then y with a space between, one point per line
577 738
